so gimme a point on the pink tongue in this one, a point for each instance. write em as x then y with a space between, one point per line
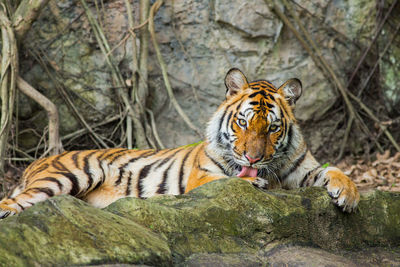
247 171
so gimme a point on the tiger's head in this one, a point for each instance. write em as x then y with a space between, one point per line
253 127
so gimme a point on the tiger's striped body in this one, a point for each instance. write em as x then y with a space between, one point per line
253 135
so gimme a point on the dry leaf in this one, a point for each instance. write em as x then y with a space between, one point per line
383 156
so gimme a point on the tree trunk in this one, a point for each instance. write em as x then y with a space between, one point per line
9 72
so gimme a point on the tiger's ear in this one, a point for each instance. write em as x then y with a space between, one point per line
291 90
235 81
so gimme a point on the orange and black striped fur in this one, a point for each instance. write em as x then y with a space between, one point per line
252 135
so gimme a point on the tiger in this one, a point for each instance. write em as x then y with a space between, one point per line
253 135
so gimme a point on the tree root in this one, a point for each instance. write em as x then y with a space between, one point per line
55 146
133 111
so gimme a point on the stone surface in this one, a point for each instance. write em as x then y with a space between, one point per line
232 208
67 231
228 222
294 255
312 256
224 260
200 40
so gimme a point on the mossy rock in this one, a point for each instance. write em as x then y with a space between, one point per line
231 216
222 218
67 231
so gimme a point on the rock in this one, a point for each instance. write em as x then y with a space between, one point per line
294 255
247 17
67 231
215 215
228 222
224 260
284 255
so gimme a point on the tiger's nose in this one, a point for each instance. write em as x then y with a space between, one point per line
253 160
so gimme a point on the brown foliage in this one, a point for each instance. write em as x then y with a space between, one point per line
382 173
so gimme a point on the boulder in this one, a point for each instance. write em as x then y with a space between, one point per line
228 222
67 231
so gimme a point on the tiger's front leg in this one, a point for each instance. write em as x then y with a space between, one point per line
342 190
340 187
257 182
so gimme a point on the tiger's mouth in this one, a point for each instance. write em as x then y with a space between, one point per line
247 171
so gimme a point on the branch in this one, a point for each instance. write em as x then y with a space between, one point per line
8 72
371 73
79 132
25 15
171 95
321 62
377 34
140 133
375 119
45 62
143 91
55 146
154 129
134 71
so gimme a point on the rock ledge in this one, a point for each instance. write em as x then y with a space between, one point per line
228 221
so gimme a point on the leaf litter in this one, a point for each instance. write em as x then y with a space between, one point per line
383 173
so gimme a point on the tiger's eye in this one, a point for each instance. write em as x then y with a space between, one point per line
273 128
242 122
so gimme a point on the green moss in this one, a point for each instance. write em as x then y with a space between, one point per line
226 216
77 234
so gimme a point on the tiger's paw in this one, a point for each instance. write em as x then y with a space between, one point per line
342 190
6 211
257 182
260 183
